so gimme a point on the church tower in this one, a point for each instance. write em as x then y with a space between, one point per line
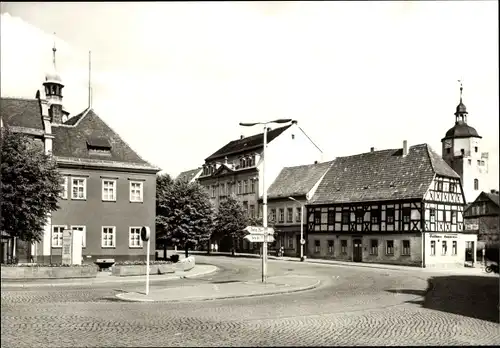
461 149
53 92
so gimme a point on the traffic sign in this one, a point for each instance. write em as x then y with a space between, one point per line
259 230
258 238
302 241
145 233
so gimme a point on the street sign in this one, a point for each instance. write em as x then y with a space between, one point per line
259 230
145 233
302 241
258 238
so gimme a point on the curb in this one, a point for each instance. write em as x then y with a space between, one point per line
196 299
120 280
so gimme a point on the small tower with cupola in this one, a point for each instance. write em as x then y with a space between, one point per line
461 149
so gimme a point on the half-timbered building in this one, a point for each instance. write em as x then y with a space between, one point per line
401 206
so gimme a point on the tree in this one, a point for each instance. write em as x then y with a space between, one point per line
30 186
230 220
184 214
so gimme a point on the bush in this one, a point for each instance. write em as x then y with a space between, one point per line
141 263
174 258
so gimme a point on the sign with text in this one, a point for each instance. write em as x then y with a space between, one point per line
446 236
66 247
259 238
259 230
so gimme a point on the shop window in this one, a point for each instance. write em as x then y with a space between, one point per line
343 246
317 245
433 247
330 246
444 249
389 247
454 247
374 247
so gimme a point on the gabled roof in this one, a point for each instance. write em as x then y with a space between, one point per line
493 197
72 141
20 112
188 175
245 144
381 175
297 181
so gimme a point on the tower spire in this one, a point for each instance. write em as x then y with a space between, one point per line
54 49
461 89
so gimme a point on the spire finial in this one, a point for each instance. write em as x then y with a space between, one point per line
54 49
461 89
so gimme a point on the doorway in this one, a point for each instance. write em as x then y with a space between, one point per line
357 250
469 251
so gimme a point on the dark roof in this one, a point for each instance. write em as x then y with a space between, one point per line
493 197
18 112
241 145
381 175
461 108
71 141
188 175
73 120
297 181
461 130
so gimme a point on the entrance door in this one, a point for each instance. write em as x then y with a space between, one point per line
357 249
469 250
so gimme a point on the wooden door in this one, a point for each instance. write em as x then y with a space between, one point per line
357 249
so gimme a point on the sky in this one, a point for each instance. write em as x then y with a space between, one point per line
174 79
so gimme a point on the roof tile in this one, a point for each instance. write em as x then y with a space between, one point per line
18 112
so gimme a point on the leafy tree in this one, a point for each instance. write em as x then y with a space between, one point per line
230 220
184 214
29 189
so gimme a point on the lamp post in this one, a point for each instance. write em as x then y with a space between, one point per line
301 227
264 193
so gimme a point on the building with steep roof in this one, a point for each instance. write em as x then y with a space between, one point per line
461 149
400 206
482 217
109 190
189 175
237 167
287 196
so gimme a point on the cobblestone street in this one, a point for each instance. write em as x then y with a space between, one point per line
352 306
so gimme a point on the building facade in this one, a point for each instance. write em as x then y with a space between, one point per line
400 206
237 168
108 189
287 197
462 150
482 217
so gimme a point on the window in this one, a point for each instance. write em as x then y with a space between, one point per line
330 246
78 188
375 216
448 150
331 217
462 152
317 217
136 191
469 161
290 242
389 247
239 187
108 190
252 186
317 244
373 247
406 214
134 237
433 247
252 210
390 215
439 186
57 236
478 162
343 246
273 214
359 216
64 184
452 187
454 247
433 215
84 234
453 217
108 237
245 186
476 184
289 215
222 191
345 216
476 149
444 249
282 215
482 162
406 248
298 214
213 191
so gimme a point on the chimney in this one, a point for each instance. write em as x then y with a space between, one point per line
294 122
242 136
56 114
372 149
494 191
315 162
405 148
225 160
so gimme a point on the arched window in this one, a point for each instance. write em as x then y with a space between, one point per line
476 184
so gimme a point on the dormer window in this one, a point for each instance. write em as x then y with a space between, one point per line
98 146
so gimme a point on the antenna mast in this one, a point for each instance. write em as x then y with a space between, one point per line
90 81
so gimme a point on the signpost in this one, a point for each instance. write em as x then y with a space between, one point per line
261 234
145 236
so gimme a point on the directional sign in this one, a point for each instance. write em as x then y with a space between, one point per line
259 230
258 238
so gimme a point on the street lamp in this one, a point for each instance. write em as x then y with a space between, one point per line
301 227
264 194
